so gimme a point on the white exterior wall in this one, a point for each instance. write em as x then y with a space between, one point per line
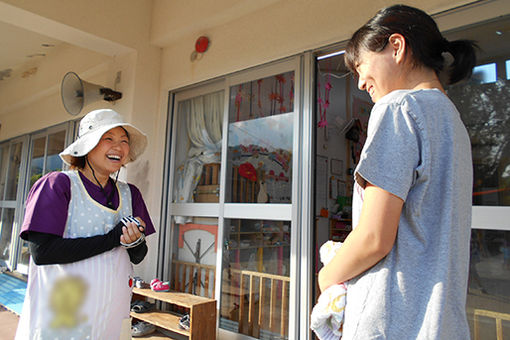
150 42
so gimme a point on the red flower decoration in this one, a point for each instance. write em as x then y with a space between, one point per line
247 170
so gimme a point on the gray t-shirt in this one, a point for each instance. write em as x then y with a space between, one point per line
417 149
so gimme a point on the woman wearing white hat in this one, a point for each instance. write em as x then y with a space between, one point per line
83 237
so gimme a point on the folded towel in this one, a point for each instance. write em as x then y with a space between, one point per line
328 314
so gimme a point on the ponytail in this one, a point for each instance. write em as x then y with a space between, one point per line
464 59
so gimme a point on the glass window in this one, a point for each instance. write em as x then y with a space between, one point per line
256 278
484 109
507 66
198 148
56 143
7 218
489 283
260 137
195 249
13 172
484 74
4 161
483 105
37 162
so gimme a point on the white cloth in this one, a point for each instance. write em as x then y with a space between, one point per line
328 314
88 299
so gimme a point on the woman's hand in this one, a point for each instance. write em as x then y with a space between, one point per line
131 232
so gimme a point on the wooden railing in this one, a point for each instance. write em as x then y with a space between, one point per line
489 314
193 278
263 301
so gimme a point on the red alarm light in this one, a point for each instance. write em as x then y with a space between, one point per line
202 44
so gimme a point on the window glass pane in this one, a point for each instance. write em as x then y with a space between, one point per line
484 74
256 278
507 66
24 258
13 174
37 162
194 256
198 148
7 216
4 163
56 143
260 137
485 111
489 282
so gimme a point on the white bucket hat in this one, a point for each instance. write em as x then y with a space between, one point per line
93 126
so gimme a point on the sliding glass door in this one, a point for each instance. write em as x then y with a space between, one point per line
231 231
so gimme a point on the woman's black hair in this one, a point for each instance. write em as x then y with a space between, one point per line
77 162
423 37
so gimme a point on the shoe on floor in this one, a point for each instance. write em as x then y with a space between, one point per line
184 322
142 328
142 306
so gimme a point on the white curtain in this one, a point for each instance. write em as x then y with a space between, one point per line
203 126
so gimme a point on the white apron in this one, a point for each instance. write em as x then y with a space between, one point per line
88 299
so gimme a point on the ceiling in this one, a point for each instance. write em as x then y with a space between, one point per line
20 46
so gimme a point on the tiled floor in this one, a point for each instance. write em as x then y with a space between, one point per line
12 294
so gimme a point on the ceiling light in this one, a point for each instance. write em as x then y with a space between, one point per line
330 55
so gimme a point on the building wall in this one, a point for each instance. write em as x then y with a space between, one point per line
150 42
275 30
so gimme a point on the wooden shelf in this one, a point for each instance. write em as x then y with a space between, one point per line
162 319
153 336
182 299
202 313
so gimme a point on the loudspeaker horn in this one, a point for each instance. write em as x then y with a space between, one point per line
77 93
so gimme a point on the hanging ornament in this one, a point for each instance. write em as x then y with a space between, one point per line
238 101
324 103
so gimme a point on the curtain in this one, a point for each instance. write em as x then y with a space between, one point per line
203 116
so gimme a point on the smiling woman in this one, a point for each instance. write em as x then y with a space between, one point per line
79 238
405 262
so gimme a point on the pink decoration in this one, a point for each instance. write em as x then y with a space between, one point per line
324 103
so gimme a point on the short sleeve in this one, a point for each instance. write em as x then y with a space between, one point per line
390 155
140 210
47 205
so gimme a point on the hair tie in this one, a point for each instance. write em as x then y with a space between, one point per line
448 59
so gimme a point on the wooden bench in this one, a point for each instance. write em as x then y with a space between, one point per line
202 313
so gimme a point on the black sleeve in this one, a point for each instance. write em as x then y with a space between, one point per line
137 254
52 249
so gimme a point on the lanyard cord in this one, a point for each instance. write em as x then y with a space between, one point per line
109 198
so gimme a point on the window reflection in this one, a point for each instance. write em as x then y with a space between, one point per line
13 171
194 256
7 218
484 74
37 162
256 278
489 282
483 104
56 143
260 137
198 149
